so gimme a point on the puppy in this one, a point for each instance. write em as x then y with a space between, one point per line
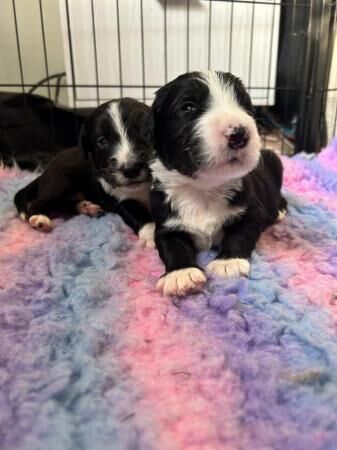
108 171
212 186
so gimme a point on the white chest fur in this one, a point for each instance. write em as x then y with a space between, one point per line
203 212
139 192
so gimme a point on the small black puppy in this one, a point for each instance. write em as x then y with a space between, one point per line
108 171
212 186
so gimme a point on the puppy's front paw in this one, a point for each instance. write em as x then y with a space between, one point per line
88 208
182 281
229 268
41 222
146 235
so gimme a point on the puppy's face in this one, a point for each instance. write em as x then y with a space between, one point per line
117 139
203 126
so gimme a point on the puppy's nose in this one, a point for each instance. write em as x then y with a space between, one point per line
237 137
131 171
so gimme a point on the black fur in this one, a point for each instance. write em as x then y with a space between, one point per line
261 196
33 129
176 110
74 173
176 143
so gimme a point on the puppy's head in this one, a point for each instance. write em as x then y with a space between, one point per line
117 139
204 127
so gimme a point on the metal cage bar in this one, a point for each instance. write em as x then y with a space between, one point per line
311 129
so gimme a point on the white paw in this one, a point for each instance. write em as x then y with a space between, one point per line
23 216
41 222
88 208
229 268
281 215
182 281
146 235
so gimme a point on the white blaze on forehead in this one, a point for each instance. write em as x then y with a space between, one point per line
124 150
223 113
222 94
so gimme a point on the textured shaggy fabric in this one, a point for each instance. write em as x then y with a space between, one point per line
91 357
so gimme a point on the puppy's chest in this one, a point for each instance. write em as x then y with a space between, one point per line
202 214
139 193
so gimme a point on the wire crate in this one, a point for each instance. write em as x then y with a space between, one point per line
80 53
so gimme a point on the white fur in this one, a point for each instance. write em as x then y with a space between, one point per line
139 191
223 113
222 95
281 215
201 212
124 152
146 235
229 268
182 281
41 222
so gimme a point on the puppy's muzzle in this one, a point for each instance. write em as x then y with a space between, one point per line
237 137
131 171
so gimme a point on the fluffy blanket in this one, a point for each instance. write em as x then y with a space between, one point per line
92 357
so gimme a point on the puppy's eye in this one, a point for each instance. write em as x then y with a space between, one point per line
101 141
189 107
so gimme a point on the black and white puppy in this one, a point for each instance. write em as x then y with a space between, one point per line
108 171
212 186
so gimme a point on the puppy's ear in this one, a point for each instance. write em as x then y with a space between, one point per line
83 141
162 93
160 97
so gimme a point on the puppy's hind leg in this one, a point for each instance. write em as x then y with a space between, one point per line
27 205
24 197
37 215
41 222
